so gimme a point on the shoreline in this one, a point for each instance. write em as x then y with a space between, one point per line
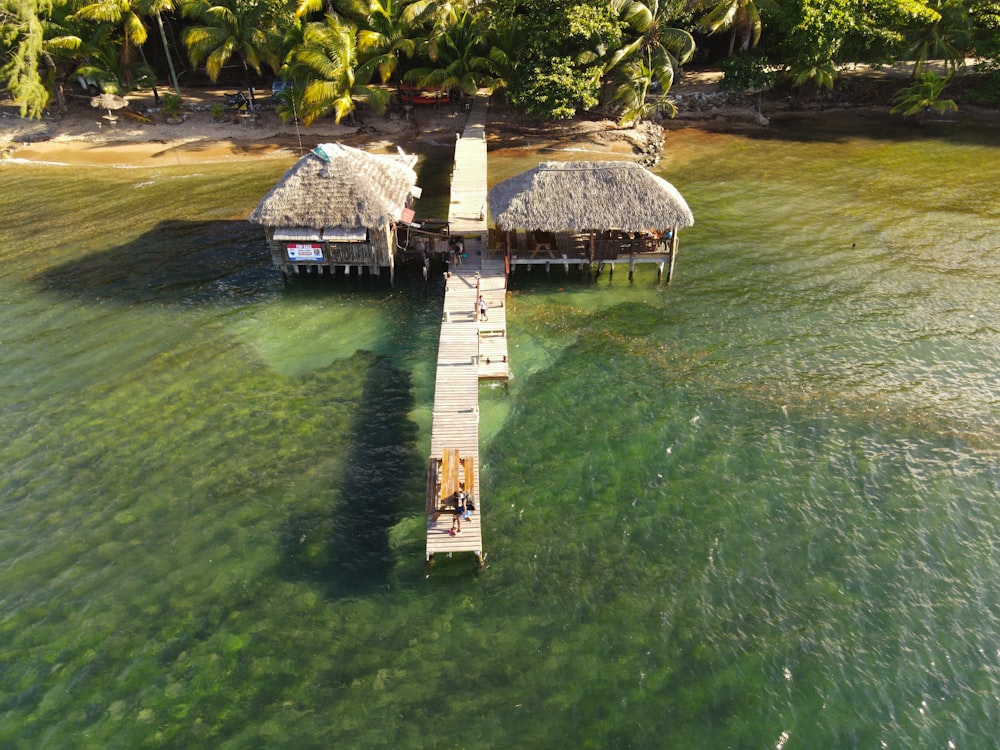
91 137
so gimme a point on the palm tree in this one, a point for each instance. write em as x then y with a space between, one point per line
919 99
738 16
158 10
633 93
387 31
655 55
35 37
437 17
821 73
333 78
100 61
945 37
507 48
460 61
244 28
129 15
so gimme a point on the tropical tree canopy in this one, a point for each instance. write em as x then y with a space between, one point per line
550 58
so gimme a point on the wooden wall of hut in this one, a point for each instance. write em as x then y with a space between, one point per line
383 239
374 254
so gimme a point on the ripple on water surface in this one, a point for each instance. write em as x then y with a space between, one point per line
754 508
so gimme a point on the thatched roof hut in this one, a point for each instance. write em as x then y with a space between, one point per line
585 195
590 211
338 186
337 206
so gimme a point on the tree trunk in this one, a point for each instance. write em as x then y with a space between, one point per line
166 49
57 88
252 106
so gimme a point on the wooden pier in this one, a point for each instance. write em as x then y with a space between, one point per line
470 348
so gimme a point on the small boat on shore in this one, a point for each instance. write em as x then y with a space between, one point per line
417 95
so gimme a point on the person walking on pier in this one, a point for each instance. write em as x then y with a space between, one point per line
482 308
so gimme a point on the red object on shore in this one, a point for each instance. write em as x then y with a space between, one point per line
411 94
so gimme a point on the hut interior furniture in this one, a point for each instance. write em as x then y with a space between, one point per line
589 212
542 245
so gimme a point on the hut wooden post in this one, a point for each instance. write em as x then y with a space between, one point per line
590 266
673 254
506 257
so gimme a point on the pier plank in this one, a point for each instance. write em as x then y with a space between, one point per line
460 359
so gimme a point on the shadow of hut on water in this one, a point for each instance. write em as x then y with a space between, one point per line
178 262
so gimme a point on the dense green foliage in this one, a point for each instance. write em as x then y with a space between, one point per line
551 58
747 71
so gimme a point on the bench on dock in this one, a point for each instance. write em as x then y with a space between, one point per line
485 331
446 476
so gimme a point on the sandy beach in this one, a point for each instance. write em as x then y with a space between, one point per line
141 136
84 135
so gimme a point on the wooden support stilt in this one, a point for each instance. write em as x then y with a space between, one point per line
631 268
673 254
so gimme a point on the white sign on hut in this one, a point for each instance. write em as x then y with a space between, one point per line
338 206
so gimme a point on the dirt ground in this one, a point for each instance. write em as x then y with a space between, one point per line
84 134
140 134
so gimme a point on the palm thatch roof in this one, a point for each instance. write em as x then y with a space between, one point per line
338 186
585 195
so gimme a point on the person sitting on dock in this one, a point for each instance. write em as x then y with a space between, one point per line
469 507
460 512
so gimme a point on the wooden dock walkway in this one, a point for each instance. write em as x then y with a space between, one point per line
469 349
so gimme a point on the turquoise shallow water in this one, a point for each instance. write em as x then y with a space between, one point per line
755 508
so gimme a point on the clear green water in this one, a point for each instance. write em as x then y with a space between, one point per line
757 507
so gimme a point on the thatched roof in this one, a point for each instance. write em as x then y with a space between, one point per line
584 195
338 186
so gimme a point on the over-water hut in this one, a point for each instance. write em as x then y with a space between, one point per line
582 212
338 206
